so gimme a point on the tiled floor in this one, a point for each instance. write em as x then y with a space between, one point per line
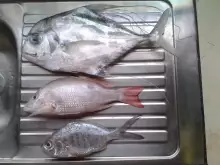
209 34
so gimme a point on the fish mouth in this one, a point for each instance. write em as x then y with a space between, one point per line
30 112
30 54
27 109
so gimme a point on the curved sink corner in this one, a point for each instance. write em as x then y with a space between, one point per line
9 78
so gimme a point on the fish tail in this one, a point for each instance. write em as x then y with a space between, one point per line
121 133
159 28
130 96
156 35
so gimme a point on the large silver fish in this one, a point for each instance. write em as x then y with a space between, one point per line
76 96
83 40
81 139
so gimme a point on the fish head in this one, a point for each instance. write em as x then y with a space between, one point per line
59 145
55 148
38 46
35 47
40 103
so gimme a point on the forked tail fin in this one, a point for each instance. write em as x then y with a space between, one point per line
159 28
131 96
121 133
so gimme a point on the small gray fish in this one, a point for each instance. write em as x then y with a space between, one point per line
80 139
75 96
83 40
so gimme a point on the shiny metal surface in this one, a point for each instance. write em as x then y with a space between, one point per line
172 121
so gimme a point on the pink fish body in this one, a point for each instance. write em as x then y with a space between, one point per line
79 95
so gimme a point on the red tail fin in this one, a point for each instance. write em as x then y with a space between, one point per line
130 96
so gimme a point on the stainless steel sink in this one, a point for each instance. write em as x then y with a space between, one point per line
172 121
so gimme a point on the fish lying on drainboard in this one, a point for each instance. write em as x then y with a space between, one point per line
76 96
83 40
80 139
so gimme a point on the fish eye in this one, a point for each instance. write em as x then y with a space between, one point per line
35 38
34 97
48 145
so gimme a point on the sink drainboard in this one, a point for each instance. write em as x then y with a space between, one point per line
172 119
142 67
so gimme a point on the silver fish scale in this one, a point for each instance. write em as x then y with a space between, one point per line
82 136
154 69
